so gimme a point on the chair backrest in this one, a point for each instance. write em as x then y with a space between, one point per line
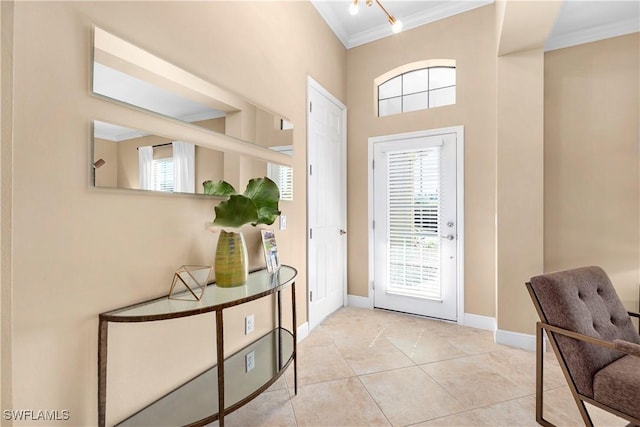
583 300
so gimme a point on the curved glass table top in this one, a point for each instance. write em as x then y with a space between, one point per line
259 283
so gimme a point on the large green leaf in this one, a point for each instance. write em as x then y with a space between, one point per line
220 188
265 195
267 215
236 212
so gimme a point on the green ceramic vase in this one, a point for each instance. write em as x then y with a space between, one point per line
231 263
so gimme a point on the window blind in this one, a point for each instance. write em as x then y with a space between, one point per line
163 174
283 177
413 201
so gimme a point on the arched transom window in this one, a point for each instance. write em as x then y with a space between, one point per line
416 89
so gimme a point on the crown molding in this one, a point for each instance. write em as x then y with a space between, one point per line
332 21
601 32
123 136
384 29
414 20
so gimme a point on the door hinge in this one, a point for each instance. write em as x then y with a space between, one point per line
311 296
373 225
373 286
310 169
373 164
310 107
311 233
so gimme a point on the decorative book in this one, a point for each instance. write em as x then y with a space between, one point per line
270 251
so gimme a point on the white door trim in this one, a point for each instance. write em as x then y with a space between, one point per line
313 84
459 131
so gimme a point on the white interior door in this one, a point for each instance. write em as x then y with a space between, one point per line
326 195
415 231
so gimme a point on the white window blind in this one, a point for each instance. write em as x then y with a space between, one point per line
163 174
283 177
414 200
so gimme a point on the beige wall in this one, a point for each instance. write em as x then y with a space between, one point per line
519 207
6 195
268 132
216 125
107 174
523 28
591 160
524 24
209 166
78 250
468 38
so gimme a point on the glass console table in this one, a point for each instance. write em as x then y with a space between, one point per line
207 397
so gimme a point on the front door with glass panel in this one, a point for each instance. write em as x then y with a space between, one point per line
414 182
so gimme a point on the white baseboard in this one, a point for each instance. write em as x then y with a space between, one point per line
516 339
359 302
512 339
480 322
303 331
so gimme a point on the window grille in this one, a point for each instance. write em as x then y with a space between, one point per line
417 90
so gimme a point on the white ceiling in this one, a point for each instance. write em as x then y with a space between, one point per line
115 133
579 21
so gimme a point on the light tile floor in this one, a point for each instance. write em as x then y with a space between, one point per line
365 367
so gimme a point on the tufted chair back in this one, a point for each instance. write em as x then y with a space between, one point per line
583 300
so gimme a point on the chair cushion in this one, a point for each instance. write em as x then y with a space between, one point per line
618 385
584 300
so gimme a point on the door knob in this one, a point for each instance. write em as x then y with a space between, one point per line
343 232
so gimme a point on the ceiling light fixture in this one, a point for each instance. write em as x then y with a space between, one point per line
396 24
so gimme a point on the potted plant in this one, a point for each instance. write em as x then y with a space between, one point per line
257 205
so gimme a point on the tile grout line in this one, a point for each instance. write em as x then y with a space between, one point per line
374 400
414 364
358 375
332 332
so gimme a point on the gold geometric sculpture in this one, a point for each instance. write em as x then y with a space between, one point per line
194 278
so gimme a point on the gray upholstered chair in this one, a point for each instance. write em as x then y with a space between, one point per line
593 338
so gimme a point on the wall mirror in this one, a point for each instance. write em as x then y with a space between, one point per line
134 159
127 73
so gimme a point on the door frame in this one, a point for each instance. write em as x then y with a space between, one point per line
459 131
313 84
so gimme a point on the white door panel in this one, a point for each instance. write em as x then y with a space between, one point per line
326 205
415 236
